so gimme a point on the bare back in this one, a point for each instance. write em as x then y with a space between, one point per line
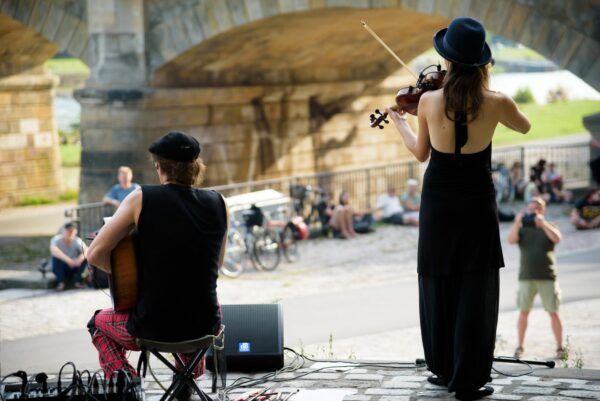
496 108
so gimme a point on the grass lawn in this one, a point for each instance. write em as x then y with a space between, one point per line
549 121
70 155
67 66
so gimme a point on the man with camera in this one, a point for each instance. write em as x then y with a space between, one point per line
537 238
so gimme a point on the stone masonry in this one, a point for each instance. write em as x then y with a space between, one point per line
272 87
29 156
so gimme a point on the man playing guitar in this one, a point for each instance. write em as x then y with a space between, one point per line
180 234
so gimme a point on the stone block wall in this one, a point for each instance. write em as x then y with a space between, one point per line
247 133
29 153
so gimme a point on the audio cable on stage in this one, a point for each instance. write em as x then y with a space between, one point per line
299 361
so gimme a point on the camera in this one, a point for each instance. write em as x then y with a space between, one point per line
528 220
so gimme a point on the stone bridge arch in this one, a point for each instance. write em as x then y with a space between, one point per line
270 87
205 43
32 31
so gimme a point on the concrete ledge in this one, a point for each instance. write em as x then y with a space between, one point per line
25 279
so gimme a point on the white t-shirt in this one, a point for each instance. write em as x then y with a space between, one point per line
72 250
390 205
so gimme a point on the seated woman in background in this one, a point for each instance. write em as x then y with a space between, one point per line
345 222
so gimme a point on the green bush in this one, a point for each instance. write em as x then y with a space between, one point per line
35 200
32 200
524 95
68 195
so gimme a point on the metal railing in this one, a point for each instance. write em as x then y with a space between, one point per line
366 183
88 217
363 184
571 160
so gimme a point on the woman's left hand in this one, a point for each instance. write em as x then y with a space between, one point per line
397 117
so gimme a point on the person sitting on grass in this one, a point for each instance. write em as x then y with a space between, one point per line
390 210
586 213
323 211
411 201
68 259
345 222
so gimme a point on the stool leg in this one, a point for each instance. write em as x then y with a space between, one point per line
202 394
172 390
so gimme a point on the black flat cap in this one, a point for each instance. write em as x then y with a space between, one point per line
176 146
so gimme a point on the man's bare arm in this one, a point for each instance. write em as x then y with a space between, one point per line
121 224
57 253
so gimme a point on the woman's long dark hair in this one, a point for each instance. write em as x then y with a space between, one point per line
463 90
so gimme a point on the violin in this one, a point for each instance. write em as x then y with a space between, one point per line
407 99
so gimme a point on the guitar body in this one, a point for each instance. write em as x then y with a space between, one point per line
124 277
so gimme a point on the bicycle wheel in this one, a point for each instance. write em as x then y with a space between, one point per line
266 250
234 262
288 244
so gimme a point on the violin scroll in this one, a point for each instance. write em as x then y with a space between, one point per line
378 118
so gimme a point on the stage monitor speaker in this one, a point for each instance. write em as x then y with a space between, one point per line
253 338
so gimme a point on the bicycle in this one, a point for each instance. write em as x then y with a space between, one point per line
286 234
256 244
236 254
265 253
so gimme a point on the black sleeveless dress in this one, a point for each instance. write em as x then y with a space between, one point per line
459 257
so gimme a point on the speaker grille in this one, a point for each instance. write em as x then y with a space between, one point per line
253 337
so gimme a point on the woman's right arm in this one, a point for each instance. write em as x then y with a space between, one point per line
511 116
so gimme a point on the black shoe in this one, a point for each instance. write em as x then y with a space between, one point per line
468 395
437 380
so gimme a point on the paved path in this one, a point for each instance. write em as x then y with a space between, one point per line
325 293
385 381
32 220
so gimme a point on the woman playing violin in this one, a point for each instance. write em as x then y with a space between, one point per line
459 253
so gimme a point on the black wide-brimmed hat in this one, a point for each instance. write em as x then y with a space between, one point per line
176 146
463 42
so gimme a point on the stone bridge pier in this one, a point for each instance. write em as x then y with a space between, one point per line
269 87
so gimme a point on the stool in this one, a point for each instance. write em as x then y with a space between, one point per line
185 375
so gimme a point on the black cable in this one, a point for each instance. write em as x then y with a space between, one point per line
514 360
299 361
74 380
24 381
81 376
94 379
376 364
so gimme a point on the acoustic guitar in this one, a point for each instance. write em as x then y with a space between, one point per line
124 277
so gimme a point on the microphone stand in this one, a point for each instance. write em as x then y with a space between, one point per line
550 364
506 359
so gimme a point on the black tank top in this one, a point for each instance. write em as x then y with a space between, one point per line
179 237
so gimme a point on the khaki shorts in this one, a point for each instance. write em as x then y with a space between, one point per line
549 292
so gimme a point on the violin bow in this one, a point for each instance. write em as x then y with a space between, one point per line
386 47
